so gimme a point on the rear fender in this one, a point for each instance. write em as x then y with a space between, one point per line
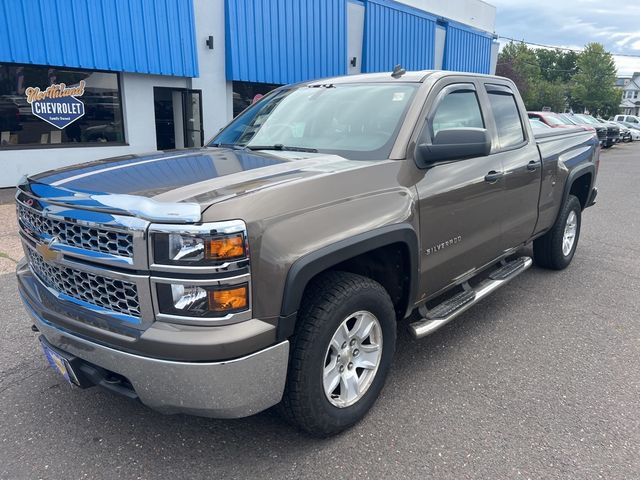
576 173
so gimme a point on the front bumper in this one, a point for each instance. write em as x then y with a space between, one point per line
192 380
229 389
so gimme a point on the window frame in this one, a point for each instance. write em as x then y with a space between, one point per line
426 134
495 88
39 146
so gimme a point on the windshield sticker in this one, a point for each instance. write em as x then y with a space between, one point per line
58 105
398 96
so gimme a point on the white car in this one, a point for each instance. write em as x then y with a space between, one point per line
634 131
635 134
627 118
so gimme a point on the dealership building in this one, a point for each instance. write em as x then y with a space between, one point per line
85 80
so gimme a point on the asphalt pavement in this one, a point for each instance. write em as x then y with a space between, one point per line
540 380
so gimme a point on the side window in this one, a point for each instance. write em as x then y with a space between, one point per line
507 117
458 109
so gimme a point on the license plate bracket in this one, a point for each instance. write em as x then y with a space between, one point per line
59 363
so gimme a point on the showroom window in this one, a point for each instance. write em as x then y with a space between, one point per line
247 93
49 106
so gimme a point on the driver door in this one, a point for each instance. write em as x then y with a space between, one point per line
460 202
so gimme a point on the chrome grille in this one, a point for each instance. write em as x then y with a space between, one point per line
116 295
80 236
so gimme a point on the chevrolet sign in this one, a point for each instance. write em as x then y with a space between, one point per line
57 105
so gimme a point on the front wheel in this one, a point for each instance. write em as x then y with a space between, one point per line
340 353
555 249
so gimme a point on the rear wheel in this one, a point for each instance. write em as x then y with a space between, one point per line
340 353
556 248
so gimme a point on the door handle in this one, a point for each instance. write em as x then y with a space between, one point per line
532 166
493 176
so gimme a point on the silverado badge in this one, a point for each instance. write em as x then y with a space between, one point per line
445 244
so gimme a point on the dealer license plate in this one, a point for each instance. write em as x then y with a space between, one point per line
59 364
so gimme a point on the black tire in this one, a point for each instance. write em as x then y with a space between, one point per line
329 300
547 250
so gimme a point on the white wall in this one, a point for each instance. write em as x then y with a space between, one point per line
475 13
441 38
217 105
495 48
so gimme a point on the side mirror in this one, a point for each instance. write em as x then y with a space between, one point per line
454 144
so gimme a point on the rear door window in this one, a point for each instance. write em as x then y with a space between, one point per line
507 117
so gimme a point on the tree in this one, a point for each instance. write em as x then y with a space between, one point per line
593 86
549 94
519 63
557 79
556 65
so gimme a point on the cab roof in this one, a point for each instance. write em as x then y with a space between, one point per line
417 76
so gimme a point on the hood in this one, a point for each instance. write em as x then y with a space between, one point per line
180 184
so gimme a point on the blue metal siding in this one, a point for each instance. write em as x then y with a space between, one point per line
397 34
285 41
467 50
143 36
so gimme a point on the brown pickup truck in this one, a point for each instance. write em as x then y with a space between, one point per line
274 265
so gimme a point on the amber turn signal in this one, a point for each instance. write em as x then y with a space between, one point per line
225 247
228 300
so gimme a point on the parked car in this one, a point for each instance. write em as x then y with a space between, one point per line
627 118
551 119
613 129
634 130
273 265
537 124
613 133
625 132
601 130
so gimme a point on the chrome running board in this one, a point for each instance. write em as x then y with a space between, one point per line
446 311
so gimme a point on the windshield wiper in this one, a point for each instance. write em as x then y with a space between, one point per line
279 146
233 146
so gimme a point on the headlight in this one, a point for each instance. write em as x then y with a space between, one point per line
200 273
199 245
202 301
178 248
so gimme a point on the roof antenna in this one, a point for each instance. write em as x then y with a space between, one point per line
398 71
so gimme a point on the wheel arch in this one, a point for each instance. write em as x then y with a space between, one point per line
580 183
304 269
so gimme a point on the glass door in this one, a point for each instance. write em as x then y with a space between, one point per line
192 109
178 118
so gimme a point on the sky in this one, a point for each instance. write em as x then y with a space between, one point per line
574 23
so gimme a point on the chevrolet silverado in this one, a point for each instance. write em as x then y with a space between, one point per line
274 265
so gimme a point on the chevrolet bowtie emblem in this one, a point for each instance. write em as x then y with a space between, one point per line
48 254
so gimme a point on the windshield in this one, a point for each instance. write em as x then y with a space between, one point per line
356 121
553 120
589 119
575 120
